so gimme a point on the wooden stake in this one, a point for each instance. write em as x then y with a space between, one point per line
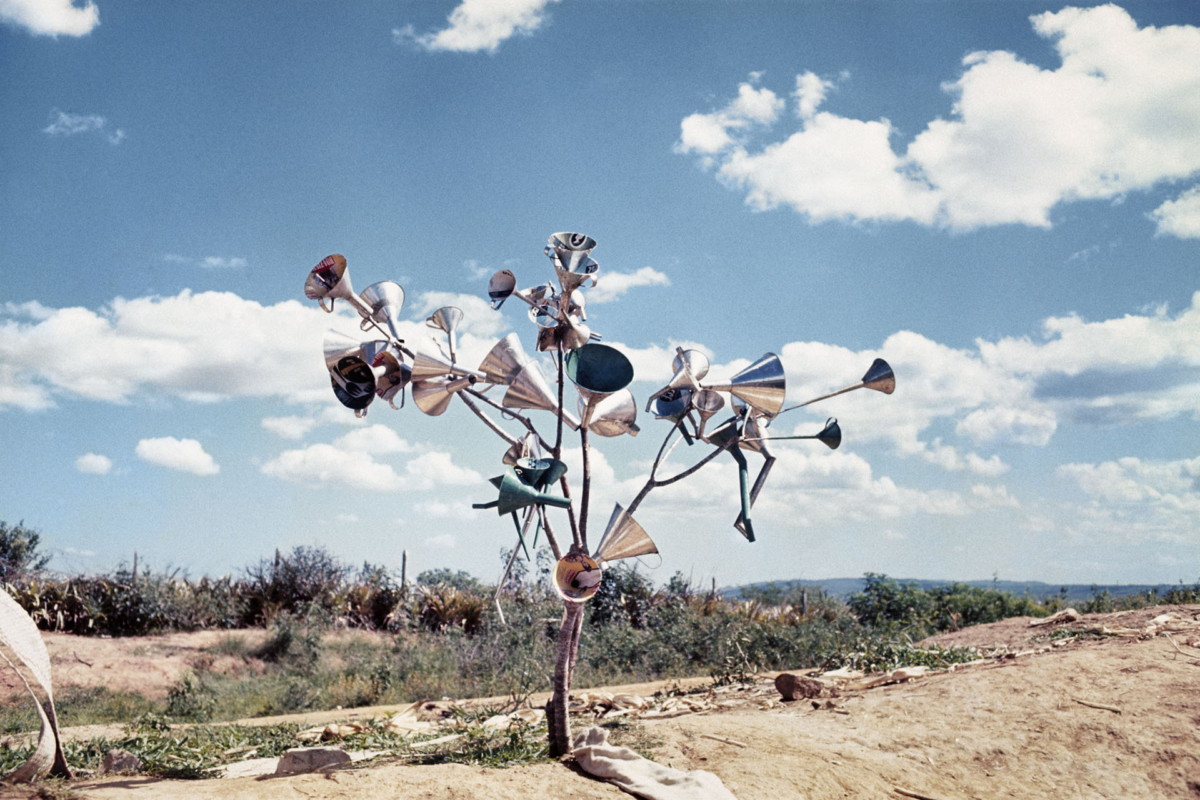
1100 706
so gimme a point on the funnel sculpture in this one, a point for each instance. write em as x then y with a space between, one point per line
533 463
761 385
529 389
597 371
879 377
384 299
331 279
614 415
447 319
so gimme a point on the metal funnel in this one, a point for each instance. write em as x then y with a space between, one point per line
501 285
385 299
613 415
447 318
529 389
761 385
330 280
623 538
506 358
433 396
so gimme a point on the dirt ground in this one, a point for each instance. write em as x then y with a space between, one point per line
1014 726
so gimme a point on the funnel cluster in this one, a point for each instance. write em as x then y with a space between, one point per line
512 381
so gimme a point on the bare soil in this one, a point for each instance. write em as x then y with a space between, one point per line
1015 726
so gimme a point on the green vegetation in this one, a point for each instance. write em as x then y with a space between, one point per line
442 637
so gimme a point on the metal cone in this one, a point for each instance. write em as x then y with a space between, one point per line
612 415
623 538
506 358
385 299
529 389
761 385
880 377
433 396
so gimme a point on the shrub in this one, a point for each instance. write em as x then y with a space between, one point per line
18 552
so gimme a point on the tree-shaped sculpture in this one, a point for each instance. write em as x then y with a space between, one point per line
534 470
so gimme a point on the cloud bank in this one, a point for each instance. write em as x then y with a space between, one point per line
1118 115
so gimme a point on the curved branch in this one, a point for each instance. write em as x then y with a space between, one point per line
512 440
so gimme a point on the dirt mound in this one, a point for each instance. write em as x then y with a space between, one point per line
1061 715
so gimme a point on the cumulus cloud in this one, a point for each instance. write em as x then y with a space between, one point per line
1140 499
291 427
93 464
708 134
1116 116
350 461
611 285
65 124
480 26
50 17
1180 217
184 455
198 347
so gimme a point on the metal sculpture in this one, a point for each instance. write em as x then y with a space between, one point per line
386 367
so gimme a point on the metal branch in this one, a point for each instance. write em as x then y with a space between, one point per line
512 440
550 537
586 494
508 412
576 536
654 483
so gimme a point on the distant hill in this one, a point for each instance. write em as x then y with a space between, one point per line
844 587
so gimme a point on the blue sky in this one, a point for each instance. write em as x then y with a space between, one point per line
999 198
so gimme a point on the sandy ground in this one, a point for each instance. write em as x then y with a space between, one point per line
1012 727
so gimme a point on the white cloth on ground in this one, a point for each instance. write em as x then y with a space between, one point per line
641 776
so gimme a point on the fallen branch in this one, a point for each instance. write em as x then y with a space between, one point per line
910 793
724 739
1100 706
89 663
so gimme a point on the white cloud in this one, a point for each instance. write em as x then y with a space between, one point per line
350 461
1118 115
611 285
437 468
50 17
289 427
480 25
443 540
810 93
1024 425
326 465
184 455
93 464
199 347
65 124
374 439
1180 217
708 134
439 510
1137 499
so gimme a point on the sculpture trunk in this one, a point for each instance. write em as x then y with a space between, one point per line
557 713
